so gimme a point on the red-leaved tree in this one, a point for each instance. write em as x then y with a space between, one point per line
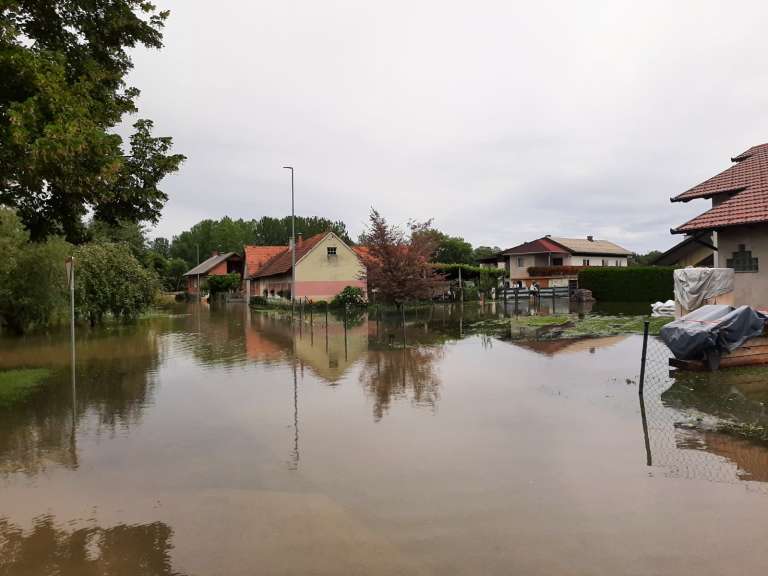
398 263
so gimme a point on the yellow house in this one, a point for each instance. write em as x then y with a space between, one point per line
325 265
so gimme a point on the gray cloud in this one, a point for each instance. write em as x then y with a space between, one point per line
503 121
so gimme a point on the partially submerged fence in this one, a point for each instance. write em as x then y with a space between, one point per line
681 440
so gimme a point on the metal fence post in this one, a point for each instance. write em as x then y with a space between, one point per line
646 324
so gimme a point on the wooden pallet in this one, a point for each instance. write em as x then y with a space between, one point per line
752 353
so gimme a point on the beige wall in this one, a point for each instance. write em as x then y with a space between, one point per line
750 288
695 256
316 266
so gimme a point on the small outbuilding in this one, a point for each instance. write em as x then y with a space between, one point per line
216 265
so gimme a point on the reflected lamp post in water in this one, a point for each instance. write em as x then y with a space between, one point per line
69 266
293 245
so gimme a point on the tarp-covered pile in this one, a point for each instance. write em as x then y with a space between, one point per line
713 328
693 286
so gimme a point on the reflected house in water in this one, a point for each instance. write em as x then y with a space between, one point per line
328 350
557 346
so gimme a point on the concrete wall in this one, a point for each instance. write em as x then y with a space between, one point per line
750 288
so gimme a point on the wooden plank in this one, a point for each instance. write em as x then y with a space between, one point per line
694 365
754 360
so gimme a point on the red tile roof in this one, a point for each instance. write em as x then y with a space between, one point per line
748 180
258 256
540 246
281 263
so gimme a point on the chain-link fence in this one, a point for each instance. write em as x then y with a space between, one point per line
683 415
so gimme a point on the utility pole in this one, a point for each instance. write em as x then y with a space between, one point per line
293 245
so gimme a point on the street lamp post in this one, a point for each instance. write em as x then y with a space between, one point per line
293 245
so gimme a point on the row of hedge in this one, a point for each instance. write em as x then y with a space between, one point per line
631 284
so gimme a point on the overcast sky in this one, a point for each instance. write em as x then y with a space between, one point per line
504 121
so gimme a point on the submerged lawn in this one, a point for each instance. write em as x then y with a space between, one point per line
18 385
569 326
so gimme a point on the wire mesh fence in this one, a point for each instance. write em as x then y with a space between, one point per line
682 437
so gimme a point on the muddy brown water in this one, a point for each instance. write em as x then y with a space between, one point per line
219 441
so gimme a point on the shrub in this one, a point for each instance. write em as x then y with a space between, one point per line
259 301
632 284
224 283
33 285
350 296
109 280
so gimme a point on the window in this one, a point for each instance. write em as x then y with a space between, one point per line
331 251
742 260
605 262
520 262
585 262
557 261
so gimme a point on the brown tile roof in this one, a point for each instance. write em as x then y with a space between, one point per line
540 246
258 256
749 205
281 263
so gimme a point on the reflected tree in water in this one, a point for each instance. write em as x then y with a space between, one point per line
49 549
115 383
404 373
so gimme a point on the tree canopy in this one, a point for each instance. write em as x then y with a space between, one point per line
63 65
398 263
228 235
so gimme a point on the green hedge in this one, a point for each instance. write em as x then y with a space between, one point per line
633 284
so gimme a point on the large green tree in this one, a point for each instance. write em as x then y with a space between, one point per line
63 93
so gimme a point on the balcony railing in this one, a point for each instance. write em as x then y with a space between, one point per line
540 271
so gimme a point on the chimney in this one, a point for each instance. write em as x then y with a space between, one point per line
300 239
215 253
590 238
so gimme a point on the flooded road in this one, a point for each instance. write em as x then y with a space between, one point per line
221 441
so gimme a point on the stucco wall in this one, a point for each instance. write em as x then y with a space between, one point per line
521 272
750 288
320 277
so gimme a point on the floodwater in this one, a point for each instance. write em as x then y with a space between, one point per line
220 441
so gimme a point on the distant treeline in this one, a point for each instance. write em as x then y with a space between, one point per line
228 235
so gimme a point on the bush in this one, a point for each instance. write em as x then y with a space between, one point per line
224 283
259 301
633 284
350 296
109 280
33 284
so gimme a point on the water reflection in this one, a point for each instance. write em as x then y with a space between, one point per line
115 382
93 551
709 426
405 373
